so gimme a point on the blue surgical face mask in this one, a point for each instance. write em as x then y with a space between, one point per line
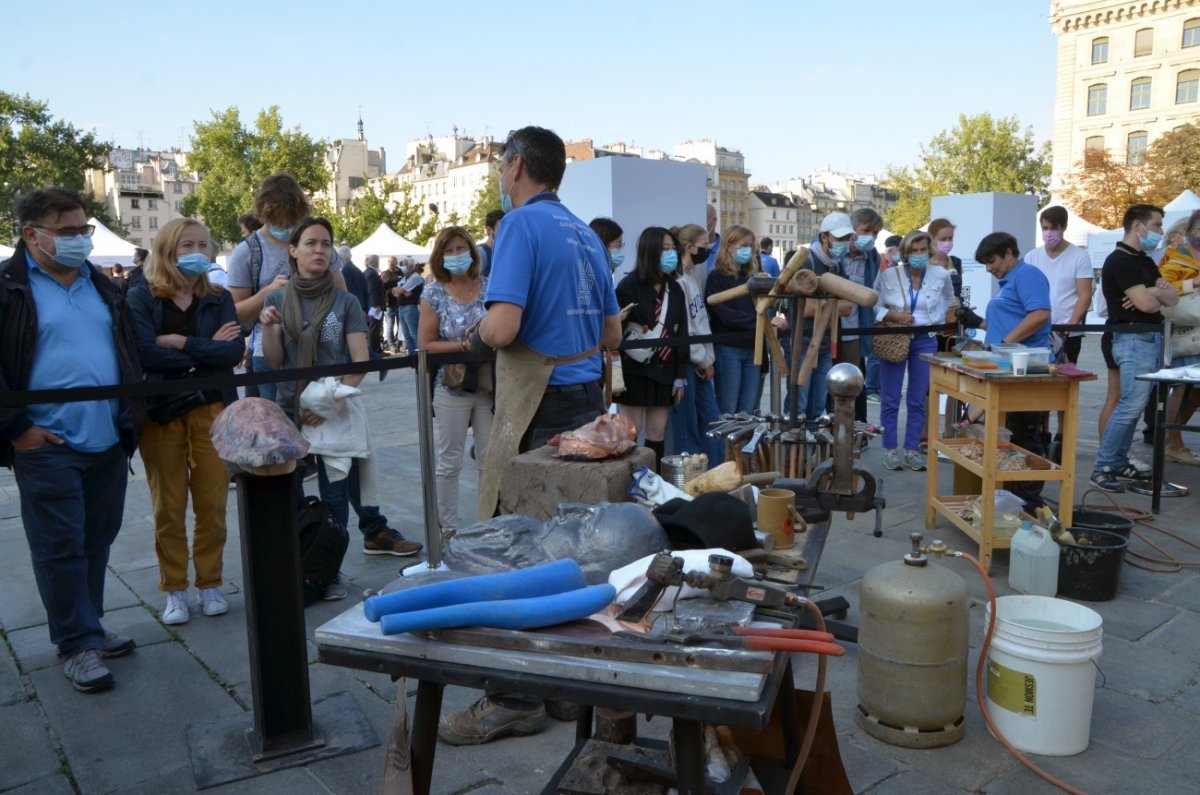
743 255
458 264
918 261
864 243
70 252
616 257
281 233
193 264
669 261
1150 240
505 199
839 250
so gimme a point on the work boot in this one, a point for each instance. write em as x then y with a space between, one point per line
488 719
562 710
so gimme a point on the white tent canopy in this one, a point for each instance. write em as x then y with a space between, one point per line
6 251
108 248
385 242
1181 207
1077 232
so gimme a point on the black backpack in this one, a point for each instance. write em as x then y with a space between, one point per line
323 543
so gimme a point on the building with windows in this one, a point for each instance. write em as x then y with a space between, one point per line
776 216
351 165
1127 73
446 172
728 181
143 189
828 191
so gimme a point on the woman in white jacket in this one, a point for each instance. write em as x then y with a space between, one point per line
691 416
913 293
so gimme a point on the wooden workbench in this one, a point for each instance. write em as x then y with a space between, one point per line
997 393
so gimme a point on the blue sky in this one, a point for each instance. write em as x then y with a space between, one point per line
792 84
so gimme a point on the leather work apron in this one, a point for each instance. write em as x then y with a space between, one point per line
522 375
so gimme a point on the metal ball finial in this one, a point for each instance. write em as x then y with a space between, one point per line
844 380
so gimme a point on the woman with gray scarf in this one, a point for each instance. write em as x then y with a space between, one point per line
313 322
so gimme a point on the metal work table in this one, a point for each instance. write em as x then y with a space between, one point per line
998 393
1161 426
687 695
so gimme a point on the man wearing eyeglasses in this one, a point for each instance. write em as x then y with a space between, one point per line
63 324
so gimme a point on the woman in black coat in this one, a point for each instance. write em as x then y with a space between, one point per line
654 377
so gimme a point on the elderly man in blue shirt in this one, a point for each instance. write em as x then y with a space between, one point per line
1019 312
63 324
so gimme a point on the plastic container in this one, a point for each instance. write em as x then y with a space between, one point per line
1103 520
1033 561
983 360
1091 573
1039 358
1040 673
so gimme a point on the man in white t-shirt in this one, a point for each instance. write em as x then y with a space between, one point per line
1069 270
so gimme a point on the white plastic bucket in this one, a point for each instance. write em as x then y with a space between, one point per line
1040 680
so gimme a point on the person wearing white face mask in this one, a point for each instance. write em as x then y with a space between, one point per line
186 328
462 395
66 325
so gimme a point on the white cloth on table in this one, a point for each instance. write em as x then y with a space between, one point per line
630 577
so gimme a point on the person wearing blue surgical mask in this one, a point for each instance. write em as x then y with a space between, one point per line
186 327
613 237
450 305
655 378
259 265
66 326
738 379
913 293
860 266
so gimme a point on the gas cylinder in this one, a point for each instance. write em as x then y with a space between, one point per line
912 652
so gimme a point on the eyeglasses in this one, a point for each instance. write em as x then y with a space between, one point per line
79 231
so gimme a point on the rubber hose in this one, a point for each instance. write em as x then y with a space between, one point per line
537 611
540 580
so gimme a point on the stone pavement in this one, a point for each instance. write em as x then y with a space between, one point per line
132 739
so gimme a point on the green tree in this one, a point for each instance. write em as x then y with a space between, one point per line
1102 187
486 199
232 160
37 151
979 155
385 202
1173 163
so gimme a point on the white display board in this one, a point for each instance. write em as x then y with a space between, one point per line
976 215
635 193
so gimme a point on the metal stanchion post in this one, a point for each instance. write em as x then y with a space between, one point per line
433 531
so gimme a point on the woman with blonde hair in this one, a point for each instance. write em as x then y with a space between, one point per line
914 293
186 328
462 393
739 379
1180 265
691 416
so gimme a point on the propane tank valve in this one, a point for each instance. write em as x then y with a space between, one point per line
916 557
938 548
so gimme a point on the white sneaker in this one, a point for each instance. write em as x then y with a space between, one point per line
212 602
176 611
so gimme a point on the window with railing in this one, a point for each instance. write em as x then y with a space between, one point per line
135 222
154 222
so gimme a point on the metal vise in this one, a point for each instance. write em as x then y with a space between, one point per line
831 487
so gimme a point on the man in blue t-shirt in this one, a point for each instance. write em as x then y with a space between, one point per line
770 265
551 288
1019 312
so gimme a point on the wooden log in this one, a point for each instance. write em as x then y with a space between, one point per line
825 311
805 282
776 351
833 284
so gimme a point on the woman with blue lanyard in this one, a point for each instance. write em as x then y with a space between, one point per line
914 293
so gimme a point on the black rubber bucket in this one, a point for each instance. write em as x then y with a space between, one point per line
1102 520
1091 573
